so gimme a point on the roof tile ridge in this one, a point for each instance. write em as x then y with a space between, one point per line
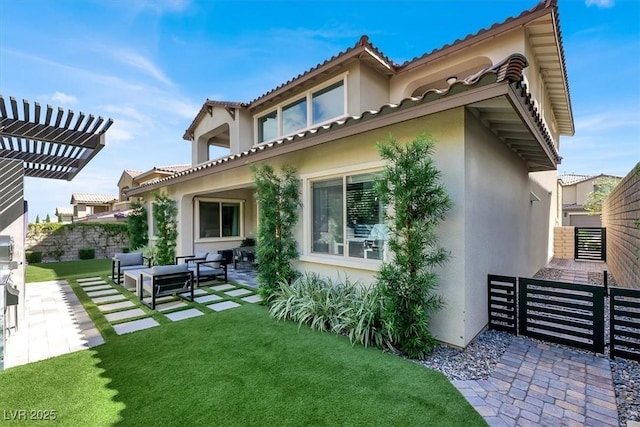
541 5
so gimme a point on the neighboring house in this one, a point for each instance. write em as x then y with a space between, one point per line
497 101
85 204
107 208
65 213
575 190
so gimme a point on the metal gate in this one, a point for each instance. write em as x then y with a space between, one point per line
591 243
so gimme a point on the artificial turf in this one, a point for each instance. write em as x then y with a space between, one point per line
238 367
67 270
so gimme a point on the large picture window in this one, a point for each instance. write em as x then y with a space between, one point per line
347 218
218 218
316 106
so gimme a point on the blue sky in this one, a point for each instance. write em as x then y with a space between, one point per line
150 64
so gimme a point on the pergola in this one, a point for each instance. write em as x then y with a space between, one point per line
51 143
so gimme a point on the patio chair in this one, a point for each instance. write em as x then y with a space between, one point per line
122 262
190 259
212 266
165 280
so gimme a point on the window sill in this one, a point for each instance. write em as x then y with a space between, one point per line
218 239
340 261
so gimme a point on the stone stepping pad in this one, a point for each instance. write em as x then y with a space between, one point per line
184 314
108 298
223 287
97 287
89 279
223 305
136 325
207 298
92 283
115 306
170 305
127 314
252 299
102 293
239 292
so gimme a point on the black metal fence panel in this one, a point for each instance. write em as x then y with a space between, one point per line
624 322
563 313
502 303
590 243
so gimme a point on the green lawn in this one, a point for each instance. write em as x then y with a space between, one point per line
67 270
237 367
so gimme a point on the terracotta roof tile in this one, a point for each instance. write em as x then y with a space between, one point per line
92 198
570 178
510 69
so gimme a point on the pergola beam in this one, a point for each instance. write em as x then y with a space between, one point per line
50 150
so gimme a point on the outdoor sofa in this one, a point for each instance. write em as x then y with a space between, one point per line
122 262
165 280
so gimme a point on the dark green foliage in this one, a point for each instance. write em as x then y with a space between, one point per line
87 253
344 308
137 226
33 256
47 218
279 200
248 242
165 214
37 219
411 187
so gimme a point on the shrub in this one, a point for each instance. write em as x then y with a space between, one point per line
33 257
343 308
137 227
412 188
165 213
87 253
278 199
149 251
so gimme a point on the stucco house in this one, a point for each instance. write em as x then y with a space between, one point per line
497 101
85 204
575 190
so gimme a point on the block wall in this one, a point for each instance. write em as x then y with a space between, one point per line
621 217
563 242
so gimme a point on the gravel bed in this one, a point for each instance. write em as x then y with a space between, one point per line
476 362
548 274
626 379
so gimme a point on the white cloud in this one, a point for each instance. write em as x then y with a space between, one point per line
607 120
63 98
604 4
135 60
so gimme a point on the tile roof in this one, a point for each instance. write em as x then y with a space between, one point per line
119 214
544 4
132 172
570 178
172 168
92 198
64 210
572 207
510 69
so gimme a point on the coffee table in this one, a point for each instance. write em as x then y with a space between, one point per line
131 278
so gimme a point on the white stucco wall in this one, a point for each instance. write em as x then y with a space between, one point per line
497 212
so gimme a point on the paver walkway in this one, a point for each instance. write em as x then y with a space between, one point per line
576 271
56 323
538 384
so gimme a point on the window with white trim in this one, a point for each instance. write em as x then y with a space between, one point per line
316 106
216 218
347 218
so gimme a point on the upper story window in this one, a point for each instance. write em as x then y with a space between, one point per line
316 106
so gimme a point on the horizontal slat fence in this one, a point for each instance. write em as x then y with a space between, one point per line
502 303
563 313
591 243
624 318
